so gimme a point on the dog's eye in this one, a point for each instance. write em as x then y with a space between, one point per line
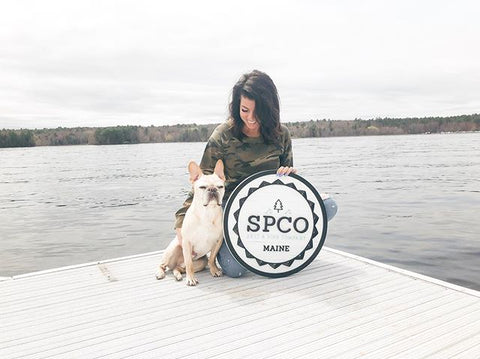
219 187
202 187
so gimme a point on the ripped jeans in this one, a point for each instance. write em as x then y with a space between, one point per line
233 269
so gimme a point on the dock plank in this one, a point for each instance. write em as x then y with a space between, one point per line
340 305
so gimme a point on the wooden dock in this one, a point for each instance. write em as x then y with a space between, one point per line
341 306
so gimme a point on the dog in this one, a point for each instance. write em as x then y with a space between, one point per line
202 228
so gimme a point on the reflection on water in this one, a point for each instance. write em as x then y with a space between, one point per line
411 201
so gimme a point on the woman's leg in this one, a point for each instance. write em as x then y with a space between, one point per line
229 264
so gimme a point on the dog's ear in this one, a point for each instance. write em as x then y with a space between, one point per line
219 170
194 170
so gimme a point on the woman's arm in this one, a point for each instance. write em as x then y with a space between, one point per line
286 159
180 214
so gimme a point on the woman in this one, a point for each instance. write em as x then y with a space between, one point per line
252 140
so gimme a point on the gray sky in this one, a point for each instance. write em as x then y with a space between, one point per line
101 63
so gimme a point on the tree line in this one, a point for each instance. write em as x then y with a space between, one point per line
201 133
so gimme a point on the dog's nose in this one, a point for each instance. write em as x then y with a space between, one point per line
212 189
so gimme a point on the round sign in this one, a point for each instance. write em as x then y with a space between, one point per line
274 226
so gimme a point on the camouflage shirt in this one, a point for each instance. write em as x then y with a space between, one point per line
241 158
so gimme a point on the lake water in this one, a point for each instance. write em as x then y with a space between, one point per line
410 201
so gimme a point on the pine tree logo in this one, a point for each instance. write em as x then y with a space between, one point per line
278 206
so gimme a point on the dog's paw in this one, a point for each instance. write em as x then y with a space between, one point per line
160 275
191 282
216 272
178 276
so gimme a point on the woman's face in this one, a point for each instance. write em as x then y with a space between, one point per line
247 113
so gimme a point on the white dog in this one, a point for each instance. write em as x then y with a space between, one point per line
201 230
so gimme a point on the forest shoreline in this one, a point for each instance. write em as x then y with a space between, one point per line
200 133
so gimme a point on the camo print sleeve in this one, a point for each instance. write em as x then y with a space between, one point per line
213 151
180 214
286 158
241 158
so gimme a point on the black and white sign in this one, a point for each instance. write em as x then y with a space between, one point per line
275 226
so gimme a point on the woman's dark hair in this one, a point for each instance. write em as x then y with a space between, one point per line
257 86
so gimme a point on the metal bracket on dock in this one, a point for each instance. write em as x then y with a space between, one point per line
106 272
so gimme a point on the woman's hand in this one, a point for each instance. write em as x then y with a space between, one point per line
285 171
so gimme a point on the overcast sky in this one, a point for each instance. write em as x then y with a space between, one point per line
102 63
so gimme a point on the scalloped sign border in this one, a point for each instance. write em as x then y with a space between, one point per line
307 205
